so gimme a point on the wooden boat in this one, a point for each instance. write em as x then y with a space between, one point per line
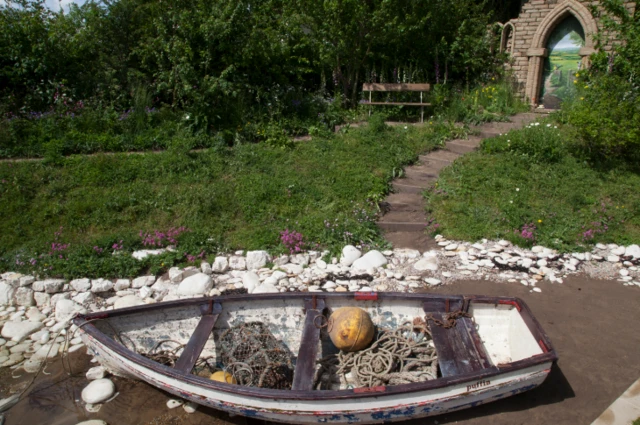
498 350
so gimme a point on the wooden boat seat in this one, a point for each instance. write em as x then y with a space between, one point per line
198 339
309 343
459 348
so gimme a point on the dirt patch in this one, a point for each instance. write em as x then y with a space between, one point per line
594 326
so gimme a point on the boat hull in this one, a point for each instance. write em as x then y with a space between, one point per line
382 408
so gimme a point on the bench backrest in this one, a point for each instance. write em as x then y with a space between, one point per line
395 87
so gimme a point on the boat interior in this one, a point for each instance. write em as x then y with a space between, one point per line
491 332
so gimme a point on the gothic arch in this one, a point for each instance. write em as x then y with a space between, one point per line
504 36
537 51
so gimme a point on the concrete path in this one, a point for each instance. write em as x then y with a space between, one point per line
405 219
624 410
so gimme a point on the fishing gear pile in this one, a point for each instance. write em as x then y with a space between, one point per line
255 358
396 356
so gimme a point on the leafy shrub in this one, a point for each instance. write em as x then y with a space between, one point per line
606 116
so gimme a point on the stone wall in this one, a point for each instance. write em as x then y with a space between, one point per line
525 38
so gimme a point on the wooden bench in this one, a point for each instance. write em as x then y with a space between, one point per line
380 87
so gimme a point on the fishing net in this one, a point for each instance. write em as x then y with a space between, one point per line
255 358
399 356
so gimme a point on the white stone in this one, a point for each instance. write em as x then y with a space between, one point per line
98 391
198 284
433 281
145 292
624 272
265 288
96 372
24 296
446 274
618 251
53 286
175 275
250 280
428 262
205 268
293 268
144 253
190 407
542 263
537 249
81 285
237 263
18 331
128 301
349 254
329 285
172 403
613 258
66 309
321 264
220 265
35 315
122 284
257 259
451 247
42 299
93 422
141 281
83 298
372 259
536 289
101 285
6 293
633 251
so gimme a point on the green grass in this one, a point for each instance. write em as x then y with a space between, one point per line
529 178
229 198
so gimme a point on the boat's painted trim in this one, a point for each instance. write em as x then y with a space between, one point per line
453 302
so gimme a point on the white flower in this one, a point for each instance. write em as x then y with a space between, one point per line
405 127
186 117
537 124
517 189
555 126
511 202
548 125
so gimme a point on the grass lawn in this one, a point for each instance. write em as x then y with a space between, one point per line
233 198
527 188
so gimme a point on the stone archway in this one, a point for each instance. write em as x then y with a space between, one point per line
508 37
537 51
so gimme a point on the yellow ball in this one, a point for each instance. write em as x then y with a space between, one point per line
222 376
350 328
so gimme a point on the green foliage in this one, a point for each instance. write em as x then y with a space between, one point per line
494 101
605 115
538 143
228 198
564 204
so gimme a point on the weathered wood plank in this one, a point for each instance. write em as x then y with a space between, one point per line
198 340
395 87
458 353
309 343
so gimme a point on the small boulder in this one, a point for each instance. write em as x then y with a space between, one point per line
371 260
96 372
98 391
18 331
220 265
257 259
198 284
349 254
101 285
128 301
250 280
80 285
66 309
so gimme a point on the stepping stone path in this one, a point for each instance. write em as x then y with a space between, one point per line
405 218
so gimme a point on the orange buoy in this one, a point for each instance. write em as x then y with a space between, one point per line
222 376
350 328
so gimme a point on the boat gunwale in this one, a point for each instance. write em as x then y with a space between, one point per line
550 355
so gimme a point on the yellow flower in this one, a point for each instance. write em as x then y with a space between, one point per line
586 87
493 78
575 81
582 98
577 74
539 221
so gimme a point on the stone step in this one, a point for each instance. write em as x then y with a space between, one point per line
404 202
421 172
403 221
411 239
440 155
463 146
411 185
